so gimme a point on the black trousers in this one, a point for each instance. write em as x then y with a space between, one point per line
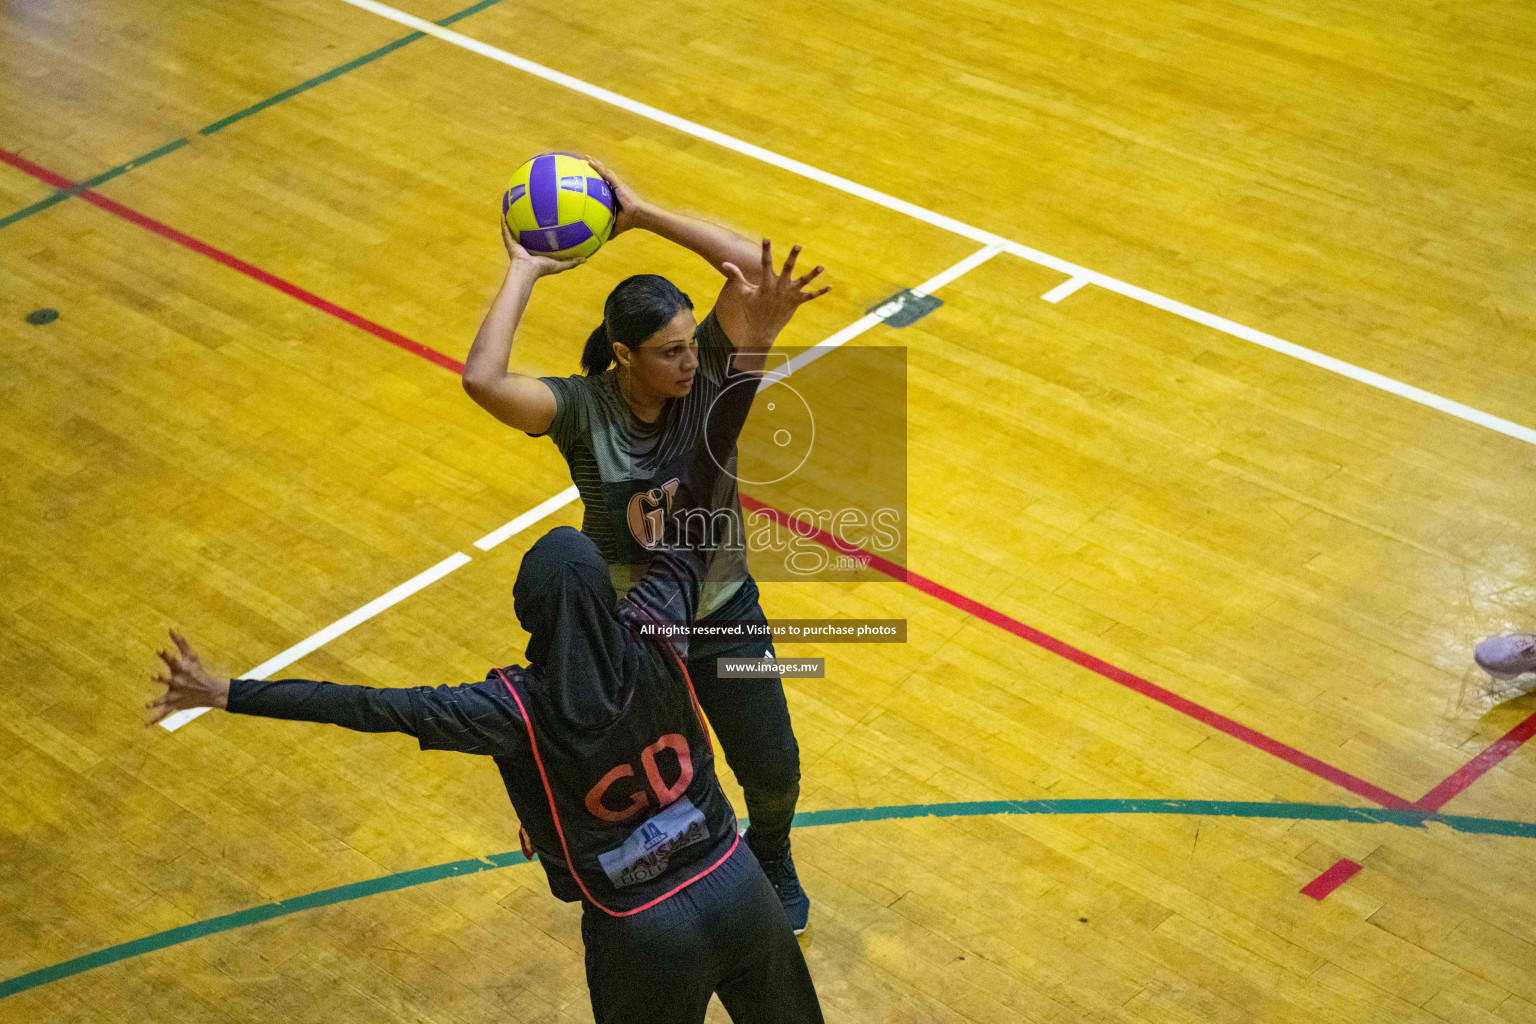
751 721
725 933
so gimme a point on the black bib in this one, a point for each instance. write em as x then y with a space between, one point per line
635 806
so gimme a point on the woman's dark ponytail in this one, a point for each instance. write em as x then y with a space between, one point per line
636 309
599 351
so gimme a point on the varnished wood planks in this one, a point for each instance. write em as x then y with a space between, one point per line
1307 556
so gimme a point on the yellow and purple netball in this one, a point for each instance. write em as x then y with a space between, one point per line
558 205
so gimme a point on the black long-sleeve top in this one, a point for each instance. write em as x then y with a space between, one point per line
475 718
482 717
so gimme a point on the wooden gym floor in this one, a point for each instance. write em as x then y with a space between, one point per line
1166 576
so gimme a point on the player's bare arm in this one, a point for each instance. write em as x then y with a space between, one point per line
734 256
517 399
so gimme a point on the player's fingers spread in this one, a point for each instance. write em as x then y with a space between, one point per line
172 663
789 264
767 259
182 645
806 279
808 296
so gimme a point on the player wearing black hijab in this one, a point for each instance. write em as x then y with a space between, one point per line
609 766
625 426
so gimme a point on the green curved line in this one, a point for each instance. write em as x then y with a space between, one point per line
804 819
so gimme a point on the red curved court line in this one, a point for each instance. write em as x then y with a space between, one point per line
234 263
1113 673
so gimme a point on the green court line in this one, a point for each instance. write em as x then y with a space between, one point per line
69 193
239 115
254 915
804 819
350 65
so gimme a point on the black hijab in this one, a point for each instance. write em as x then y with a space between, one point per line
578 650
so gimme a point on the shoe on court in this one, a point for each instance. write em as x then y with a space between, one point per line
781 873
1505 657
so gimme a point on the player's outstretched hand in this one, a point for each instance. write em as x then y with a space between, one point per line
768 305
627 202
542 266
187 683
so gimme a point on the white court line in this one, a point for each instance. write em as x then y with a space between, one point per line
334 630
965 266
869 320
938 220
1318 359
528 518
689 127
819 349
539 511
1064 289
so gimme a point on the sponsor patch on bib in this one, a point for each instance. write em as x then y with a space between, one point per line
649 848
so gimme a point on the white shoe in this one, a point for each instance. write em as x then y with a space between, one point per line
1505 657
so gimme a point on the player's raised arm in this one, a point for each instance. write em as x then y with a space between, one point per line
516 399
765 304
733 256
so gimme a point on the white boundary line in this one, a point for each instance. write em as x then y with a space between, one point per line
869 320
938 220
819 349
425 579
334 630
528 518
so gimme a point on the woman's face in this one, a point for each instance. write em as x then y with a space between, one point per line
666 362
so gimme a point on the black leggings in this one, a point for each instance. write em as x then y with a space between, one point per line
751 721
725 933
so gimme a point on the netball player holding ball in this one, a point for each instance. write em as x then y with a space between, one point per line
630 424
605 757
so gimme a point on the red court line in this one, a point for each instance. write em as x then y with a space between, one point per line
43 174
1113 673
1329 880
1200 713
235 263
1454 784
1479 766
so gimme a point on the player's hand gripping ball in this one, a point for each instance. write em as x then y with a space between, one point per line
557 205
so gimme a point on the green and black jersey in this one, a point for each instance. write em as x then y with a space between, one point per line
626 470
